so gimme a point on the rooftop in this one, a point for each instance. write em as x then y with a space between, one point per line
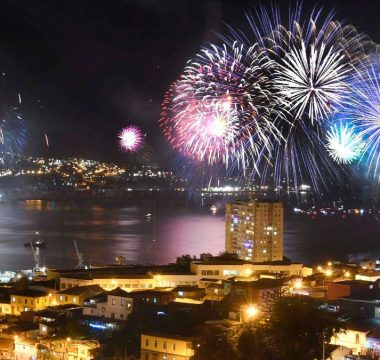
78 290
352 282
29 293
226 260
371 295
162 335
122 272
119 292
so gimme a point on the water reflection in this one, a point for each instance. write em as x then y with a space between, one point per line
104 231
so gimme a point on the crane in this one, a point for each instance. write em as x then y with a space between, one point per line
80 264
36 255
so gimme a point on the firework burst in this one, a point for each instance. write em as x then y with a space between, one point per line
363 112
264 106
314 58
223 107
343 143
314 83
130 138
12 132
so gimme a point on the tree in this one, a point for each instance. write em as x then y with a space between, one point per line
185 261
251 345
213 346
298 327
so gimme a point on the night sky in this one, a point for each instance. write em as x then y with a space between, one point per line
87 68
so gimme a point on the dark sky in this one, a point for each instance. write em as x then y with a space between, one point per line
97 66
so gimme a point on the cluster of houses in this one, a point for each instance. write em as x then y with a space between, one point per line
104 297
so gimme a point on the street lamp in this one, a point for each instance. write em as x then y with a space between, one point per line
251 311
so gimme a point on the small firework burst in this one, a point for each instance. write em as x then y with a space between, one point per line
343 143
130 138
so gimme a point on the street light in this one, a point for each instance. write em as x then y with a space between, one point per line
251 311
298 284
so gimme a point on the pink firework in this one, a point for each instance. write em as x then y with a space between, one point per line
130 138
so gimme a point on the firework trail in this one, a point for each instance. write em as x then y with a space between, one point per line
130 138
46 140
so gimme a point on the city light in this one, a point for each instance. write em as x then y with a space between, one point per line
252 311
328 272
298 284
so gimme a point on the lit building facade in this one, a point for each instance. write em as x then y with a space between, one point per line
254 230
155 347
30 300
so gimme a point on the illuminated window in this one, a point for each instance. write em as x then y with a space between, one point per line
74 299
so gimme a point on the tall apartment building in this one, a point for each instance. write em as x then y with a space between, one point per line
254 230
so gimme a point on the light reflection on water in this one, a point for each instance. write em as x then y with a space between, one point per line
103 231
106 230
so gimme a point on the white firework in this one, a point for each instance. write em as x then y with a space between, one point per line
344 144
313 80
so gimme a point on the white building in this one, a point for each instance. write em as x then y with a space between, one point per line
218 268
115 304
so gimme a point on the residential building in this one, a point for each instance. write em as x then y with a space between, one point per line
363 305
116 304
6 348
254 230
71 349
5 307
353 336
83 349
30 300
152 296
167 347
338 289
77 295
52 319
373 343
25 348
368 275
